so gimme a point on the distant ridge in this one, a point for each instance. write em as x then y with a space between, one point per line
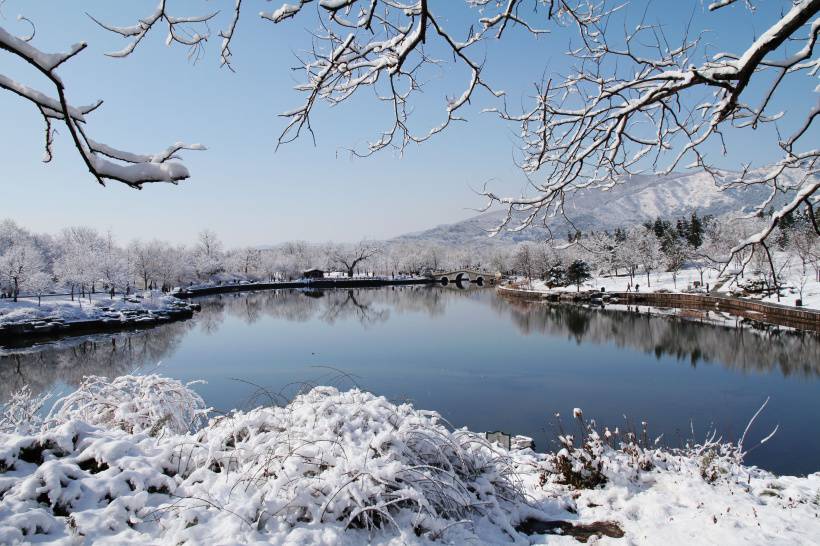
638 199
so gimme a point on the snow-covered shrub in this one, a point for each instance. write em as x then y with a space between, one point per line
21 414
356 460
328 463
133 403
580 467
640 456
584 466
715 459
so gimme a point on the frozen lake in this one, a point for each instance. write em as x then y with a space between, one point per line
482 362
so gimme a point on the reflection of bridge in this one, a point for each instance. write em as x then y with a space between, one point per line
460 276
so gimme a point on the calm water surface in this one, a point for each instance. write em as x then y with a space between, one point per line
481 361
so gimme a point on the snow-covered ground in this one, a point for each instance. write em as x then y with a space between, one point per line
685 281
130 461
100 306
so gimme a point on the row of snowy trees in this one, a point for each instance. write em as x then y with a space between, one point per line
670 246
82 261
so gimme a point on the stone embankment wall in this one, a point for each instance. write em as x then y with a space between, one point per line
53 327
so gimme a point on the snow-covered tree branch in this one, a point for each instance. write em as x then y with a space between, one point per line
633 107
381 45
103 162
632 103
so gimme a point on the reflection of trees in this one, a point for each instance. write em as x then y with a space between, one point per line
68 361
430 300
577 324
211 316
342 305
740 348
366 305
41 367
415 299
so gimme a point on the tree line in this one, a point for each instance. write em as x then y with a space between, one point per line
673 244
81 261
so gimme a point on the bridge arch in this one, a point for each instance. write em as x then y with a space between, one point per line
465 276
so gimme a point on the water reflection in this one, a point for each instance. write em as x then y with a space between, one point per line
368 306
46 366
65 362
747 350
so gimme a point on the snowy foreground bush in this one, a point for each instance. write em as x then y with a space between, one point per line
129 461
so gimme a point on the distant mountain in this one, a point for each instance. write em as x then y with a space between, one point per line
635 200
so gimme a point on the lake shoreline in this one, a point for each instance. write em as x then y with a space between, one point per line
27 332
71 319
192 292
802 319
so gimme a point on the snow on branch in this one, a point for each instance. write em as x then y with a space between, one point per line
133 170
386 46
133 403
634 103
363 45
637 106
191 31
182 30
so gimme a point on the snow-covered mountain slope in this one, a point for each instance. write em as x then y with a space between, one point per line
633 201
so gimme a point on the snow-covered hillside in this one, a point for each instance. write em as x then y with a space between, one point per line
634 200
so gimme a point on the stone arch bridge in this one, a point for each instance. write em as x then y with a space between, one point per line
461 276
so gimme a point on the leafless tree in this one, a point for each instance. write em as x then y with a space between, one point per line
633 102
145 259
349 257
633 106
209 257
18 265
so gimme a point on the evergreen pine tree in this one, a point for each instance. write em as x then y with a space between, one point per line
695 235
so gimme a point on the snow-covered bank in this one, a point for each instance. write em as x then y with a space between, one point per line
685 281
124 462
54 315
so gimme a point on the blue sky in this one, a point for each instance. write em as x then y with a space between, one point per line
241 187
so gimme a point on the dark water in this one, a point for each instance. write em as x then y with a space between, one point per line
481 361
